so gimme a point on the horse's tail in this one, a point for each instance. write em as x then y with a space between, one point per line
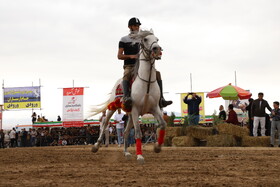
97 109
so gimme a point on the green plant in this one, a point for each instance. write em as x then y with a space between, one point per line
216 119
171 119
185 123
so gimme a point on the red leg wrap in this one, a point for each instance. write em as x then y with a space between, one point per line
138 146
161 137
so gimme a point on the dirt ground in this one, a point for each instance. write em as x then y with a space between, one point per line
196 166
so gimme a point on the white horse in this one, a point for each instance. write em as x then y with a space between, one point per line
145 94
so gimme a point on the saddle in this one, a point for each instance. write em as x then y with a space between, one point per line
118 102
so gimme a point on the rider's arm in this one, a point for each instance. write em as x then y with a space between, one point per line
122 56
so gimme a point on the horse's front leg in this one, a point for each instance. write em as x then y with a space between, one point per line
138 135
126 134
162 125
101 134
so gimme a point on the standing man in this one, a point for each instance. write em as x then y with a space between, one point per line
2 138
275 114
13 137
222 114
106 132
128 51
193 108
258 114
249 109
119 126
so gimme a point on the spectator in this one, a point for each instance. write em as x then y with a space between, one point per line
2 137
249 109
7 140
232 116
222 114
166 117
23 138
275 114
39 119
64 142
12 135
33 135
106 130
58 118
258 114
33 117
119 125
44 119
193 108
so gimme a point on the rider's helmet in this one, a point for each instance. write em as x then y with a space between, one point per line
134 21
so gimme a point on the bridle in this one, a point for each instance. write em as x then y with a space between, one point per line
147 52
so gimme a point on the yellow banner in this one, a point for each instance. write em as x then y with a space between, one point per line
184 106
22 105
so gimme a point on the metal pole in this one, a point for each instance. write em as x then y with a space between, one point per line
73 83
235 78
191 81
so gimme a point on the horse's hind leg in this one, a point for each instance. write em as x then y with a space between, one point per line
162 125
126 134
97 144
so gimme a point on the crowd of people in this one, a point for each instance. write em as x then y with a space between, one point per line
66 136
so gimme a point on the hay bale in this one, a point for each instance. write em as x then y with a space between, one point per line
234 130
171 131
199 132
221 141
260 141
184 141
167 141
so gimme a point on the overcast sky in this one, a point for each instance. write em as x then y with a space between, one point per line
66 40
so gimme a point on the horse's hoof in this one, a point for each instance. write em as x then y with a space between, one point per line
94 148
157 148
140 159
127 155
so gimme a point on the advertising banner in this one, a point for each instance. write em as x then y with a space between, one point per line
239 106
22 97
73 107
184 106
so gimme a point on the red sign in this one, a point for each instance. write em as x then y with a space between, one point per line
73 107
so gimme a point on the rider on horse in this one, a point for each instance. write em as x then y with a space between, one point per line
128 51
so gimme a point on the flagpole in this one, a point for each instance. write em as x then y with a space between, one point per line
235 78
191 81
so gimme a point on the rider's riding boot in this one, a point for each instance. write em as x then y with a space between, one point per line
126 98
162 102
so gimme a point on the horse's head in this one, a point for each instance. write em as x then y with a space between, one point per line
149 44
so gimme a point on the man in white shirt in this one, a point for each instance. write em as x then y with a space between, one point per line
13 137
119 126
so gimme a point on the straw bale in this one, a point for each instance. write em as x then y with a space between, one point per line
184 141
167 141
231 129
199 132
260 141
221 141
171 131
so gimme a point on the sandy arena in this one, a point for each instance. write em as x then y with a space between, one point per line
196 166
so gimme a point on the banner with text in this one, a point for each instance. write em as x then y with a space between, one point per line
73 107
22 97
184 106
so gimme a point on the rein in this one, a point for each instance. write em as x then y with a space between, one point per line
152 62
